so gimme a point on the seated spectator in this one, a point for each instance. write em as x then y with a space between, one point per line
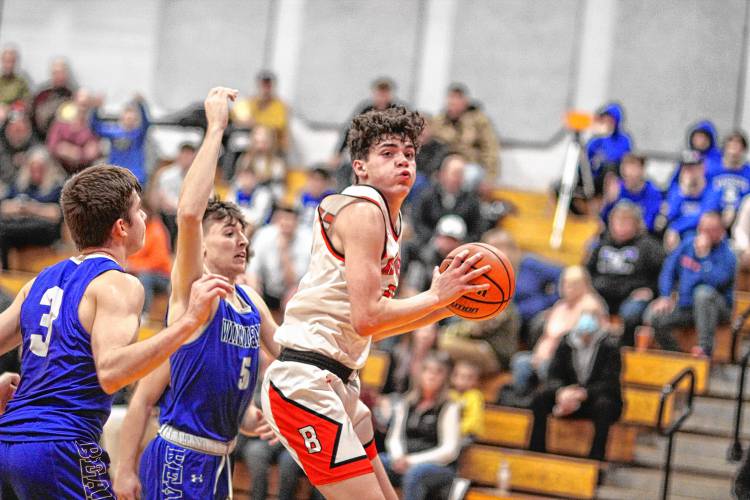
488 344
269 168
424 439
13 86
317 187
255 200
606 150
30 214
16 139
450 233
624 266
686 202
152 264
701 271
167 185
536 291
465 391
70 139
701 138
730 177
583 382
281 253
576 294
447 196
634 187
127 137
259 456
265 109
468 131
432 152
741 234
50 96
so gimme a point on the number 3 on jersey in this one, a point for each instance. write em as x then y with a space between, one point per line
53 298
244 381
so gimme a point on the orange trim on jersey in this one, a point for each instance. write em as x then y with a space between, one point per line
315 439
328 243
371 449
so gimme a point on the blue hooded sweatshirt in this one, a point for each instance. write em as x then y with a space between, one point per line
732 184
648 198
608 150
710 155
536 288
684 270
127 147
683 212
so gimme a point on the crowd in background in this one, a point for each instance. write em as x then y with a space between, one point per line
664 258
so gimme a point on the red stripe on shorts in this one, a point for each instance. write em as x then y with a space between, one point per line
315 439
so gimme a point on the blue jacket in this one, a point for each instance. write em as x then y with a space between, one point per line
684 271
733 185
684 212
610 149
648 198
711 155
127 147
536 287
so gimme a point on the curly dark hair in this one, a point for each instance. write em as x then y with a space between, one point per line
368 129
218 210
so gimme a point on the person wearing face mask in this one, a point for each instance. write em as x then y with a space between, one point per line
701 271
583 382
685 202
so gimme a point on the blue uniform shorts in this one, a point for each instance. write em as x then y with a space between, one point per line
171 471
56 469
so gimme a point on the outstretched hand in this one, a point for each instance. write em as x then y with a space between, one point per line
8 385
203 292
217 106
456 280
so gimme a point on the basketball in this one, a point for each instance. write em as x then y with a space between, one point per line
485 304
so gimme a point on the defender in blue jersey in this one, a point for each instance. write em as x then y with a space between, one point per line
77 322
204 389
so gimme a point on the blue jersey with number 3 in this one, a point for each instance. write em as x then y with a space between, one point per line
212 378
59 396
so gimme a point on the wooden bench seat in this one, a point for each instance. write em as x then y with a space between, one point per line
657 368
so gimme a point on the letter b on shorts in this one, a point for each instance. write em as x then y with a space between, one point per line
311 439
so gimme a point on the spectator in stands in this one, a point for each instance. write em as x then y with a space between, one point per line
432 152
610 144
152 264
30 214
741 234
265 109
634 187
465 391
254 199
13 86
317 187
16 139
730 176
447 196
260 156
127 137
167 185
50 96
70 139
536 291
687 201
488 344
701 271
576 295
624 266
281 255
467 130
583 382
703 139
259 456
424 439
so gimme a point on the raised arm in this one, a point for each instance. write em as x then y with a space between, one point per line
372 313
118 300
10 321
196 190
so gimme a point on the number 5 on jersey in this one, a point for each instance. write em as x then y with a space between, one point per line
244 381
53 298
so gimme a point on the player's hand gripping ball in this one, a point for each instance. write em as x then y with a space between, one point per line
485 304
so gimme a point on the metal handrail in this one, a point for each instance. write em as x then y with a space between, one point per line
734 453
670 431
737 325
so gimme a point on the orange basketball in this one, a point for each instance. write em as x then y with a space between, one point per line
485 304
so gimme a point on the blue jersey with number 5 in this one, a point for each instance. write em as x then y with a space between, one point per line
212 378
59 396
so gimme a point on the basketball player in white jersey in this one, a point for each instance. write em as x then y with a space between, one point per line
310 395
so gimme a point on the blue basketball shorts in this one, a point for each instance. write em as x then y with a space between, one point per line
56 469
171 471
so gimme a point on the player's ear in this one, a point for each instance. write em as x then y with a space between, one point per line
119 228
359 168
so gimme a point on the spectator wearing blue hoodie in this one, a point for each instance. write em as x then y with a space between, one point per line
606 150
730 176
127 137
687 201
317 187
703 139
634 187
701 270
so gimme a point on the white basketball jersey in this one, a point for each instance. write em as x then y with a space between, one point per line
318 316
